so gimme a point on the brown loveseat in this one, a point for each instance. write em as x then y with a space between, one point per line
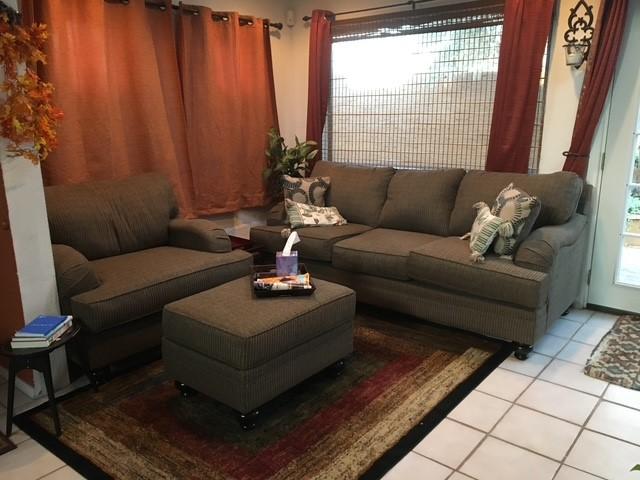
401 249
121 254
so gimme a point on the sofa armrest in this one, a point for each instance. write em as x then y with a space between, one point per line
198 234
74 274
540 248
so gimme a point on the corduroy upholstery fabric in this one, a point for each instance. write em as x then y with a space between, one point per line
198 234
443 306
245 390
445 263
317 242
558 193
421 201
74 274
228 324
138 284
116 344
358 193
541 248
106 218
381 252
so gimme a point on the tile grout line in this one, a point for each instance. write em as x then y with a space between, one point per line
51 472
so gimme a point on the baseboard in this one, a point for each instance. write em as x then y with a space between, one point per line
614 311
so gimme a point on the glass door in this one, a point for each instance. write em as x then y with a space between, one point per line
615 268
628 271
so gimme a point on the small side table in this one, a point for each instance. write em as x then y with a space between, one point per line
36 359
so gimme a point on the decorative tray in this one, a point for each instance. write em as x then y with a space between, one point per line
269 271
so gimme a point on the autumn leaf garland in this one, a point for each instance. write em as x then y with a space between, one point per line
28 118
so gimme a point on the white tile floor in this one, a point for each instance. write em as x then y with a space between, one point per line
540 419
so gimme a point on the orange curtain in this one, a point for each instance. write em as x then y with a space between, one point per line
116 75
228 92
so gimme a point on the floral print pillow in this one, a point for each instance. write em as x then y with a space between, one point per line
303 215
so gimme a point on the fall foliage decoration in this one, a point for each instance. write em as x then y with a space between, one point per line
28 118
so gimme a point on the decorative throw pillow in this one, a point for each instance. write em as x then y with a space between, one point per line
484 230
520 211
303 215
306 190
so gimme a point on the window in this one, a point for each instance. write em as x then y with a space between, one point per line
416 89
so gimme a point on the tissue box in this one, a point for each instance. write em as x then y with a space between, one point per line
286 264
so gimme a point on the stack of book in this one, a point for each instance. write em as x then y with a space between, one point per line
41 331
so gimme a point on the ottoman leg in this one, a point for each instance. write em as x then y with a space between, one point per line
249 420
337 368
185 390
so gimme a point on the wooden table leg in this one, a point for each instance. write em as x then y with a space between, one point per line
10 395
51 393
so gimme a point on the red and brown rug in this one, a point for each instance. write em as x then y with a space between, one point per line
403 377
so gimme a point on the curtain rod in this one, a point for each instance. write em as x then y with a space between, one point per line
194 11
409 3
162 6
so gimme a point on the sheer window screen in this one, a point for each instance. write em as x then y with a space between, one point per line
415 89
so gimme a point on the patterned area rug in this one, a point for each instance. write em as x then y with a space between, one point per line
616 359
403 377
6 445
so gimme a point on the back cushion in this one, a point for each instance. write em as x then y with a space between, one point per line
421 201
102 219
357 192
558 194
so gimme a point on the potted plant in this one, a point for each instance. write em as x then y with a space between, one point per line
284 160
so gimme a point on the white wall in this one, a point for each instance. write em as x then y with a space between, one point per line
32 248
563 92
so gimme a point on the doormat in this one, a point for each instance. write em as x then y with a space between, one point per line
616 359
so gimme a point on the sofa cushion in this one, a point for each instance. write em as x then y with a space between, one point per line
106 218
138 284
421 201
380 252
445 263
317 242
228 325
358 193
558 193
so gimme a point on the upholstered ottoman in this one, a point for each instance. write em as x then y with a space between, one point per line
244 351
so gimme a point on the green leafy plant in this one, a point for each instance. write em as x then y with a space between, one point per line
284 160
636 468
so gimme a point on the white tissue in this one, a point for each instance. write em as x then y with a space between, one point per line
291 241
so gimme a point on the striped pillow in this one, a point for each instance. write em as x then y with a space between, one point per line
483 232
520 211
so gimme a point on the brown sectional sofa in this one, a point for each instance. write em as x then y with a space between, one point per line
121 254
401 249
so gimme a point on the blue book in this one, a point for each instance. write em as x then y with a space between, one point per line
43 326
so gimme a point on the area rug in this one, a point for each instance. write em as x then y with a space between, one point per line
6 445
402 379
616 359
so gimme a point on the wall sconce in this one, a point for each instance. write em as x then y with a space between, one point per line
579 34
575 53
